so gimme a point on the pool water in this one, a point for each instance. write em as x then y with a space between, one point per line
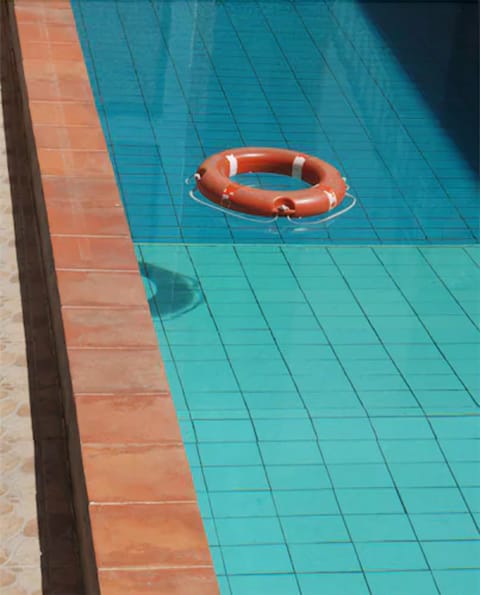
325 376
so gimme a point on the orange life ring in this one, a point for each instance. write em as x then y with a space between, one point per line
327 190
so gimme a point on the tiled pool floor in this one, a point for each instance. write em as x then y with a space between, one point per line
329 400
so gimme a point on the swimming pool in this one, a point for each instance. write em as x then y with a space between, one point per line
325 378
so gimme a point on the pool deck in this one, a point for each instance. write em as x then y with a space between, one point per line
138 523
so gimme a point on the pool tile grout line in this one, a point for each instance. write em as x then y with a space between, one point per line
139 522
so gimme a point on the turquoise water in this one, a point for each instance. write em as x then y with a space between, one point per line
326 379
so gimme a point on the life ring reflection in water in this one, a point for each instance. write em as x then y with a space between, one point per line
327 187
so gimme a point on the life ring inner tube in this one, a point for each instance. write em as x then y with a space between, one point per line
327 187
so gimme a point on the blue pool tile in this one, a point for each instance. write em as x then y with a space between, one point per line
388 399
224 403
235 478
224 585
192 454
452 554
333 584
380 527
458 582
392 428
364 501
198 479
281 584
343 429
271 383
217 558
210 530
422 475
351 451
466 473
232 453
457 427
192 353
238 337
401 583
328 378
467 449
370 475
257 559
324 557
399 555
295 502
284 429
319 403
379 382
224 430
288 477
432 382
273 401
187 430
411 451
418 500
240 352
314 529
354 355
441 401
248 531
282 453
204 505
242 504
352 335
444 526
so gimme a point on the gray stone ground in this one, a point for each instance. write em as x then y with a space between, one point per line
19 544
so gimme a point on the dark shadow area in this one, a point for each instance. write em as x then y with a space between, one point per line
61 569
171 294
437 44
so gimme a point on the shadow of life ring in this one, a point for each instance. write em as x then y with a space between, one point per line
327 187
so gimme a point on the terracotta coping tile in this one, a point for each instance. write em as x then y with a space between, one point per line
116 371
95 253
82 192
41 70
36 32
169 581
100 289
56 89
56 12
52 113
58 162
108 328
132 419
70 218
71 137
157 535
45 50
123 425
129 473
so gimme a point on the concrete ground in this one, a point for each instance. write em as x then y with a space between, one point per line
19 542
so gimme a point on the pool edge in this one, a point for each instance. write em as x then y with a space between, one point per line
138 530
